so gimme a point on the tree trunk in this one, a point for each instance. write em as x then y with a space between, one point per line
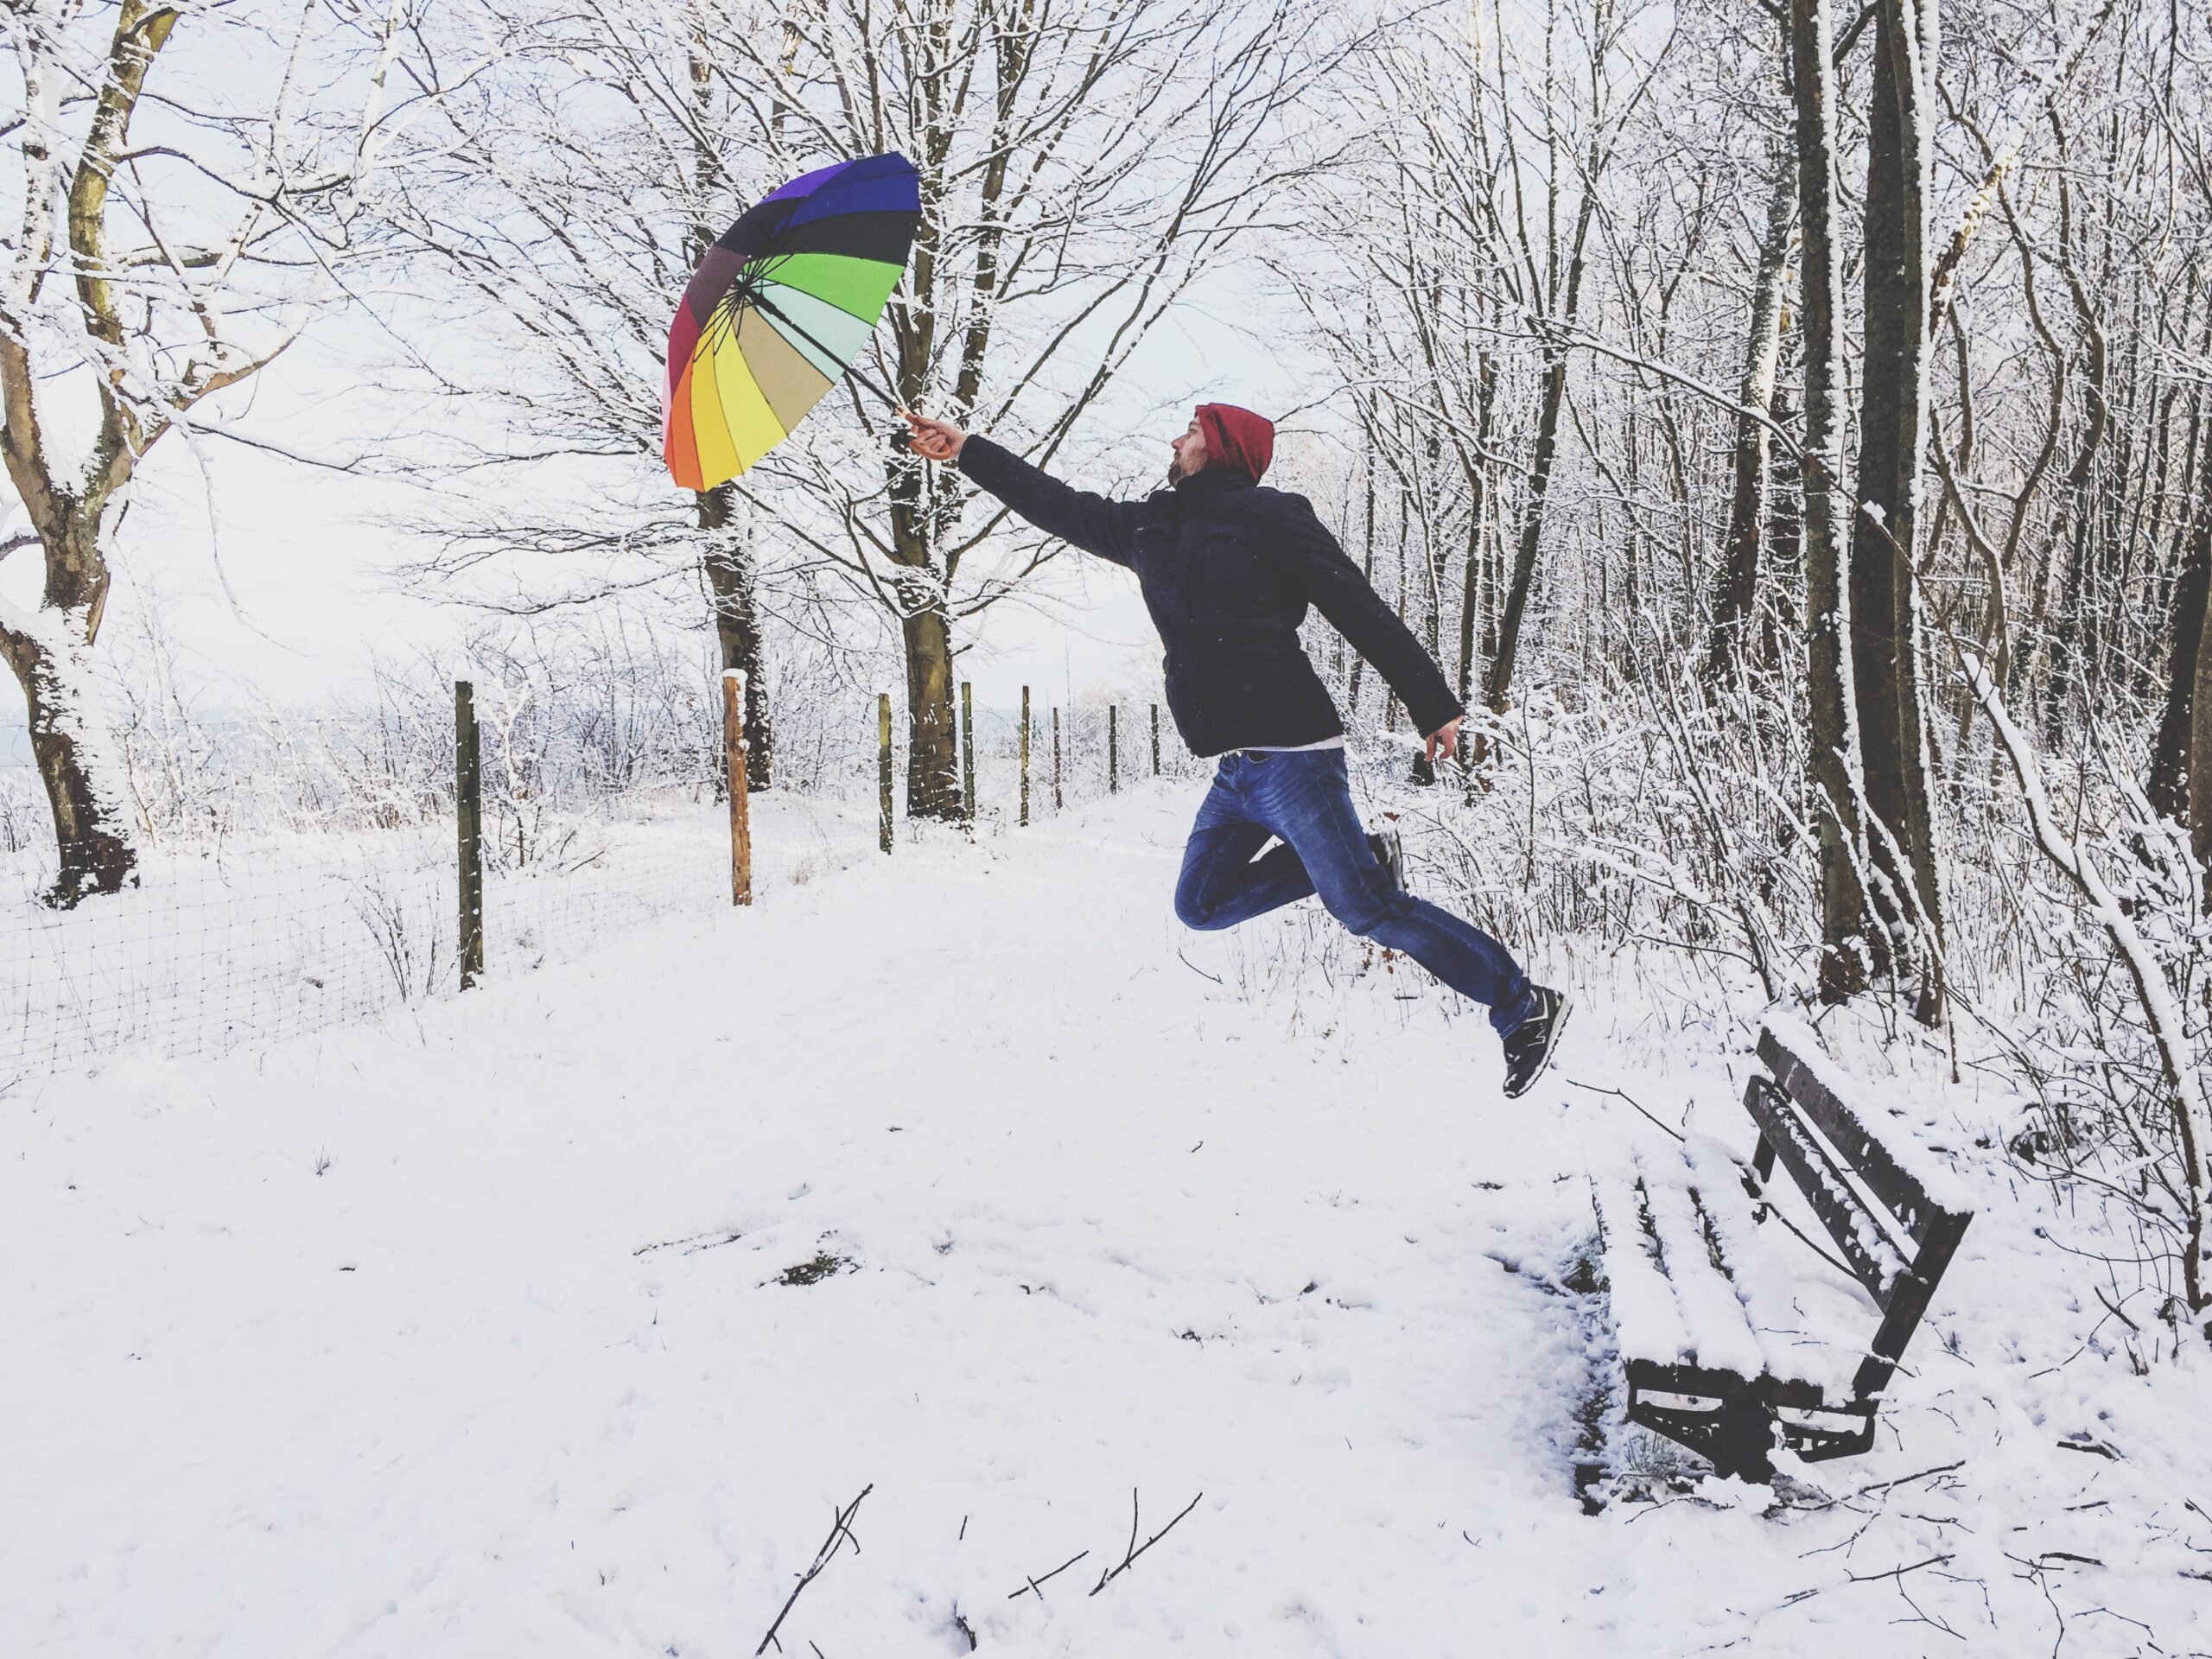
1736 604
2173 755
2199 727
1424 770
1497 683
1367 569
67 744
1471 598
1497 680
728 565
69 738
1885 643
932 750
1835 760
1783 570
1481 503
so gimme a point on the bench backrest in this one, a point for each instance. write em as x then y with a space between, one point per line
1896 1224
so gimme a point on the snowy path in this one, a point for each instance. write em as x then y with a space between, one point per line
468 1338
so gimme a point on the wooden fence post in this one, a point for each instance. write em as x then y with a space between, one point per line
1155 739
468 818
883 768
1113 749
968 750
1025 756
1059 799
740 817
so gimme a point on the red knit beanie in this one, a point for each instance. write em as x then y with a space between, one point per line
1237 438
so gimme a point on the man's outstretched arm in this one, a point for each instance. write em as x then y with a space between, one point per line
1093 523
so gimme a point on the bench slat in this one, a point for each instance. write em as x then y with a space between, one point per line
1720 1338
1647 1321
1765 1280
1857 1232
1921 1196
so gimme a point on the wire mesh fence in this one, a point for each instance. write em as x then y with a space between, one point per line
299 871
297 875
257 940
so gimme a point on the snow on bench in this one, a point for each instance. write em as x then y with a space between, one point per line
1885 1136
1705 1297
1763 1271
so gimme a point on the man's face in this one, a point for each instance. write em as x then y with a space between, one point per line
1190 453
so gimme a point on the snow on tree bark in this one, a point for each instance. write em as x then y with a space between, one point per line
1835 758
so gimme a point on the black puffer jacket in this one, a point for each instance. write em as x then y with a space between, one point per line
1229 569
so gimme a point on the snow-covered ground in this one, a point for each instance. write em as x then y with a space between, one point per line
477 1332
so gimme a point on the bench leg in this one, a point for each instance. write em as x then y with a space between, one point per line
1743 1440
1736 1437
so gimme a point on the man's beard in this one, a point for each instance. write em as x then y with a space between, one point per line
1175 473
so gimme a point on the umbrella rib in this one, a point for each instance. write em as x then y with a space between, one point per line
799 329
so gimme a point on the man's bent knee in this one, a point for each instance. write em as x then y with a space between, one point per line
1368 904
1193 910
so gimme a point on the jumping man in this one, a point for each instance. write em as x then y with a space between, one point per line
1229 569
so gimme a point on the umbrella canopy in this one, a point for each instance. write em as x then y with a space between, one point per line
777 310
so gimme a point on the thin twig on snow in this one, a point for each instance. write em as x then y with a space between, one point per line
841 1531
1129 1557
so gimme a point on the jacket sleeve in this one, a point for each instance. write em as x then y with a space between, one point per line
1091 522
1334 586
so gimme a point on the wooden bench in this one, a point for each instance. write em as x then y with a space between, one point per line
1705 1292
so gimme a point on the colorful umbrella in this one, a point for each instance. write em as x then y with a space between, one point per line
779 308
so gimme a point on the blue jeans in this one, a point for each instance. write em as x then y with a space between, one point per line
1305 797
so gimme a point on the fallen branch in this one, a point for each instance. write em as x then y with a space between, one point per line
1895 1571
2096 1448
1576 1082
1048 1577
1129 1557
1882 1487
841 1531
2112 1308
1199 971
694 1243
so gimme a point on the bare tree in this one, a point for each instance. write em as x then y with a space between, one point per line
1081 166
1546 281
1842 968
584 174
1736 601
1886 627
1457 248
146 276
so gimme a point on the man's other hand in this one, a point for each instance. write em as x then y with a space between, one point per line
933 440
1442 741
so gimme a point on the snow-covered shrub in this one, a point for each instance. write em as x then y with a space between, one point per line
1635 811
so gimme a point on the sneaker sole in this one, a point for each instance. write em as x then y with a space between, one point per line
1544 1063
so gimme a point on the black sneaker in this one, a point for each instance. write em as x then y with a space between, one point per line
1529 1046
1390 854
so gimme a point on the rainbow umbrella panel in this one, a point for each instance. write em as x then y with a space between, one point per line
779 308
